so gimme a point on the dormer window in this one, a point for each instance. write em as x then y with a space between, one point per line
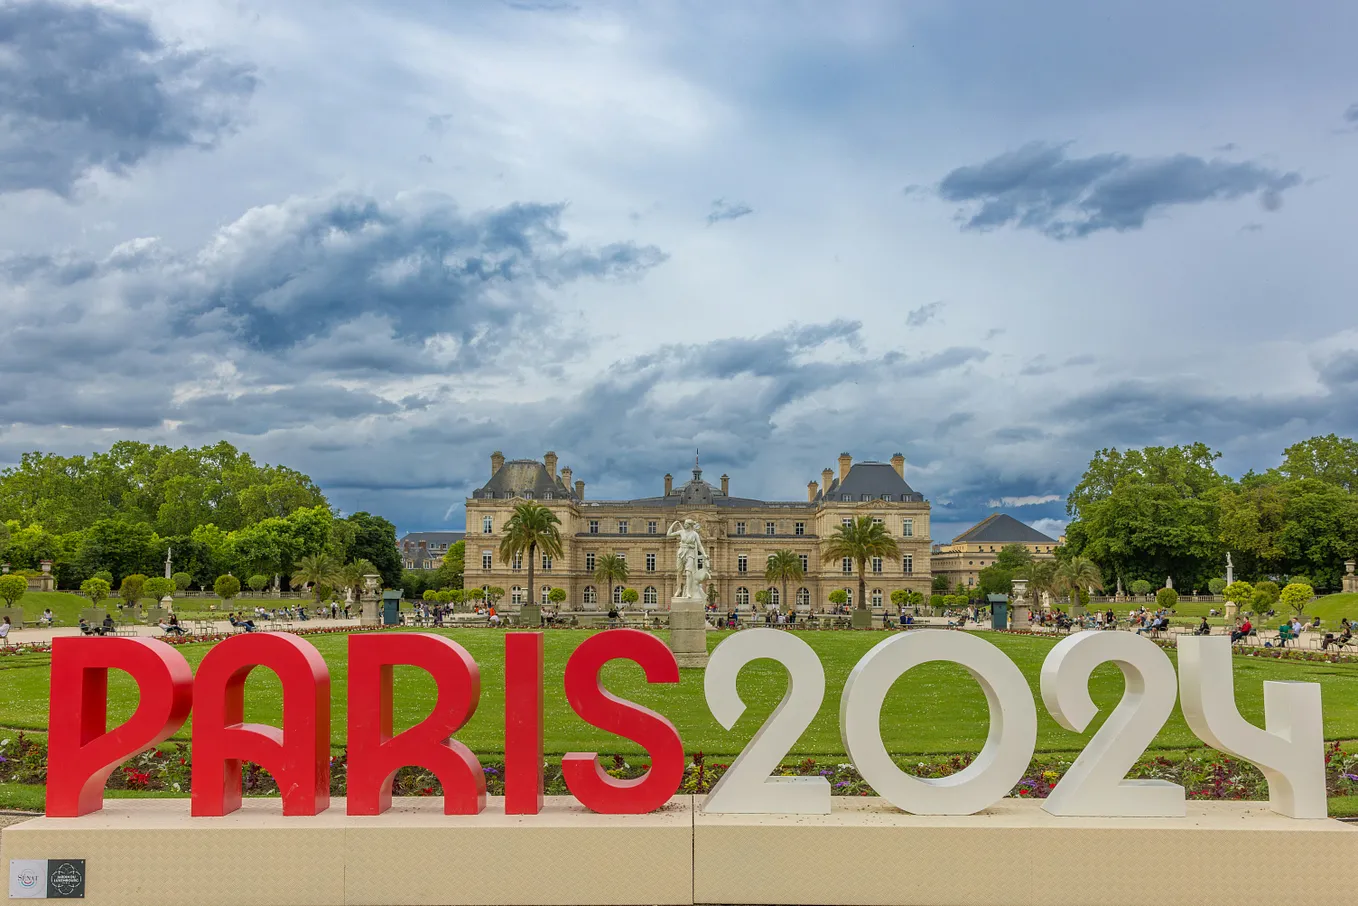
528 495
846 497
547 496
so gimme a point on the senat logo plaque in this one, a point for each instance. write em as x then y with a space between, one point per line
83 753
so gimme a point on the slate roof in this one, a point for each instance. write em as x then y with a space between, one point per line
872 481
518 476
1001 528
432 537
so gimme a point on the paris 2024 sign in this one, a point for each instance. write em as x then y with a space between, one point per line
83 752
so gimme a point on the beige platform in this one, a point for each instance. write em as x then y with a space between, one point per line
149 852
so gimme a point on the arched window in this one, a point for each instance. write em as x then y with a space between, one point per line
848 596
649 596
742 597
774 599
876 597
617 594
516 595
591 596
546 590
803 597
516 562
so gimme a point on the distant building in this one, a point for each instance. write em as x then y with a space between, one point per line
425 550
976 548
738 532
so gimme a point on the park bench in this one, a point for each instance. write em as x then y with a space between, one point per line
15 614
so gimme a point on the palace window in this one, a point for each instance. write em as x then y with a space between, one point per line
516 595
650 563
846 521
742 564
886 496
806 563
546 562
846 497
547 496
877 564
622 555
908 528
865 497
847 565
651 527
594 526
803 597
799 528
589 561
877 520
769 528
486 525
622 526
774 600
876 597
517 562
649 597
528 495
487 559
591 596
546 591
617 594
848 597
742 597
908 564
740 528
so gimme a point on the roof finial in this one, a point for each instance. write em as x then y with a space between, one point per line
697 470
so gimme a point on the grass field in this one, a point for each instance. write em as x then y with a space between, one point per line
932 709
66 607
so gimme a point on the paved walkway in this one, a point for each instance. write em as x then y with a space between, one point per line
44 636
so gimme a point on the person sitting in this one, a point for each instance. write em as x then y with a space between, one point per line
5 627
1345 635
237 623
1242 631
86 628
109 626
170 625
1285 634
1203 628
47 619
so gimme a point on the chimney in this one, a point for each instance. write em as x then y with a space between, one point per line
898 463
845 461
549 460
810 492
497 461
669 484
726 484
580 490
566 477
825 477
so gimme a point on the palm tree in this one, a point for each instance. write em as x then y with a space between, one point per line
1076 574
784 566
860 540
353 573
1041 576
533 527
317 570
610 570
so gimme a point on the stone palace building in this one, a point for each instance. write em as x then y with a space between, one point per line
739 533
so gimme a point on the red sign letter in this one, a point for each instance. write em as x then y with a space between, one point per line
523 723
375 755
298 755
584 775
81 752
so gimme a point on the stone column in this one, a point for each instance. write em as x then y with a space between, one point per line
688 630
370 601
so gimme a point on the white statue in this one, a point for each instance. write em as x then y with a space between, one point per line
168 573
690 560
1230 569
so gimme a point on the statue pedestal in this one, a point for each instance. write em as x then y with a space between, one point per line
688 631
1231 611
530 616
862 619
1018 616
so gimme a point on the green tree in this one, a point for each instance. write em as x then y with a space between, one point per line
1240 593
761 597
630 596
450 571
1041 576
860 540
351 576
96 589
1166 599
783 567
182 581
1013 557
1269 589
1296 596
132 589
838 597
320 571
375 541
157 587
995 580
1078 574
557 596
531 528
257 582
1331 459
939 584
12 588
610 570
1216 585
1140 587
226 587
493 594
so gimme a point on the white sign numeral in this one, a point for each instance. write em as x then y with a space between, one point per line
1290 753
1008 747
746 787
1095 784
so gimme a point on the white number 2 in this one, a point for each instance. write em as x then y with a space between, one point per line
1094 785
746 787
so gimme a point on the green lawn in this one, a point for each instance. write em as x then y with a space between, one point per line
66 607
933 709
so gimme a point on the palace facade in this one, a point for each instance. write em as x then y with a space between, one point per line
739 533
961 561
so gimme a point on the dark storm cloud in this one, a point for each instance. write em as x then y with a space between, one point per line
1039 187
84 87
1351 115
918 317
261 411
726 210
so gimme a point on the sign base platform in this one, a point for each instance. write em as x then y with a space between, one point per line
149 852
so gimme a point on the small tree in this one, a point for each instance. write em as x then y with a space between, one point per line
839 597
493 594
182 581
1240 593
158 587
629 596
900 597
557 596
96 589
1269 589
761 597
12 588
1296 596
939 584
1166 599
1140 587
257 583
106 576
935 601
1216 585
132 589
226 587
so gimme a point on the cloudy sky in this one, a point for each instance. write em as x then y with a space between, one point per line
378 240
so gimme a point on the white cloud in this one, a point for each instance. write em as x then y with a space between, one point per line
1032 500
